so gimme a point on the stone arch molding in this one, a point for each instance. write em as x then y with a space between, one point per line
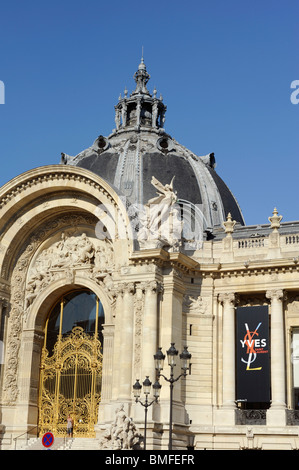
52 293
46 191
54 249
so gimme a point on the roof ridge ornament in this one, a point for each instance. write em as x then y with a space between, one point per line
275 220
229 225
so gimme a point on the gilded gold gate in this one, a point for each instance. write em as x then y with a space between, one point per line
70 384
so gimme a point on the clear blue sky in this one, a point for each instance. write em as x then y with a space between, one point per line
224 68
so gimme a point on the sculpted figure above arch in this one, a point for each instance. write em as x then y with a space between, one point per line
73 250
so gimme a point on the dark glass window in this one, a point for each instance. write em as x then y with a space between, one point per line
78 308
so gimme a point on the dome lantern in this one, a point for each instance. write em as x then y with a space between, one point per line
140 109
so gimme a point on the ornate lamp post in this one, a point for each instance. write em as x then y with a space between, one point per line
172 353
146 390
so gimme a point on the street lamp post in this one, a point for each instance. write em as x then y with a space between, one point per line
172 353
146 390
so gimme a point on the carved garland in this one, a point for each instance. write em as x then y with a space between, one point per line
138 308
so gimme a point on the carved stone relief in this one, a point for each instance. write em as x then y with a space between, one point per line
293 305
251 300
194 304
58 250
63 257
138 307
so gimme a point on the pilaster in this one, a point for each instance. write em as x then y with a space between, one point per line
150 330
171 332
227 411
106 392
127 343
118 292
276 413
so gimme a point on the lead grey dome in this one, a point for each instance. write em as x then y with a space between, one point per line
139 148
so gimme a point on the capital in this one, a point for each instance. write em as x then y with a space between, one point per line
153 287
274 294
129 288
117 290
228 298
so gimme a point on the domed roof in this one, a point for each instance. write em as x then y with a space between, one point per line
139 148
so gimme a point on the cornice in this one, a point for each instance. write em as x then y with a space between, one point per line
161 257
215 270
248 268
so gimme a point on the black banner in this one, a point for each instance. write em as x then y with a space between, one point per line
253 351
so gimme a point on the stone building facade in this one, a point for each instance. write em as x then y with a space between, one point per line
139 240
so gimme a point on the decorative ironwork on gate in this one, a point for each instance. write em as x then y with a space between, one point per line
70 384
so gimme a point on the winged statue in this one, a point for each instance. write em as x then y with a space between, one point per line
160 216
165 192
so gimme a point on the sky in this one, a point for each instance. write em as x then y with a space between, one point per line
224 68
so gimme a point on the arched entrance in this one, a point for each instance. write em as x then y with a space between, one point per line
71 364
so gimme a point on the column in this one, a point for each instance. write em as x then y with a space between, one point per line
124 114
107 375
138 113
276 414
107 367
149 331
228 350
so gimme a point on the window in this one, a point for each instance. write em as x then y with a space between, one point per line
77 308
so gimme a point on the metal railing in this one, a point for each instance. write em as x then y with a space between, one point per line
26 433
250 417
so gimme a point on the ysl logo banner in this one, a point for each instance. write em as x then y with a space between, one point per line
252 347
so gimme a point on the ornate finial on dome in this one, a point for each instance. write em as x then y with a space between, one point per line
142 64
141 78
